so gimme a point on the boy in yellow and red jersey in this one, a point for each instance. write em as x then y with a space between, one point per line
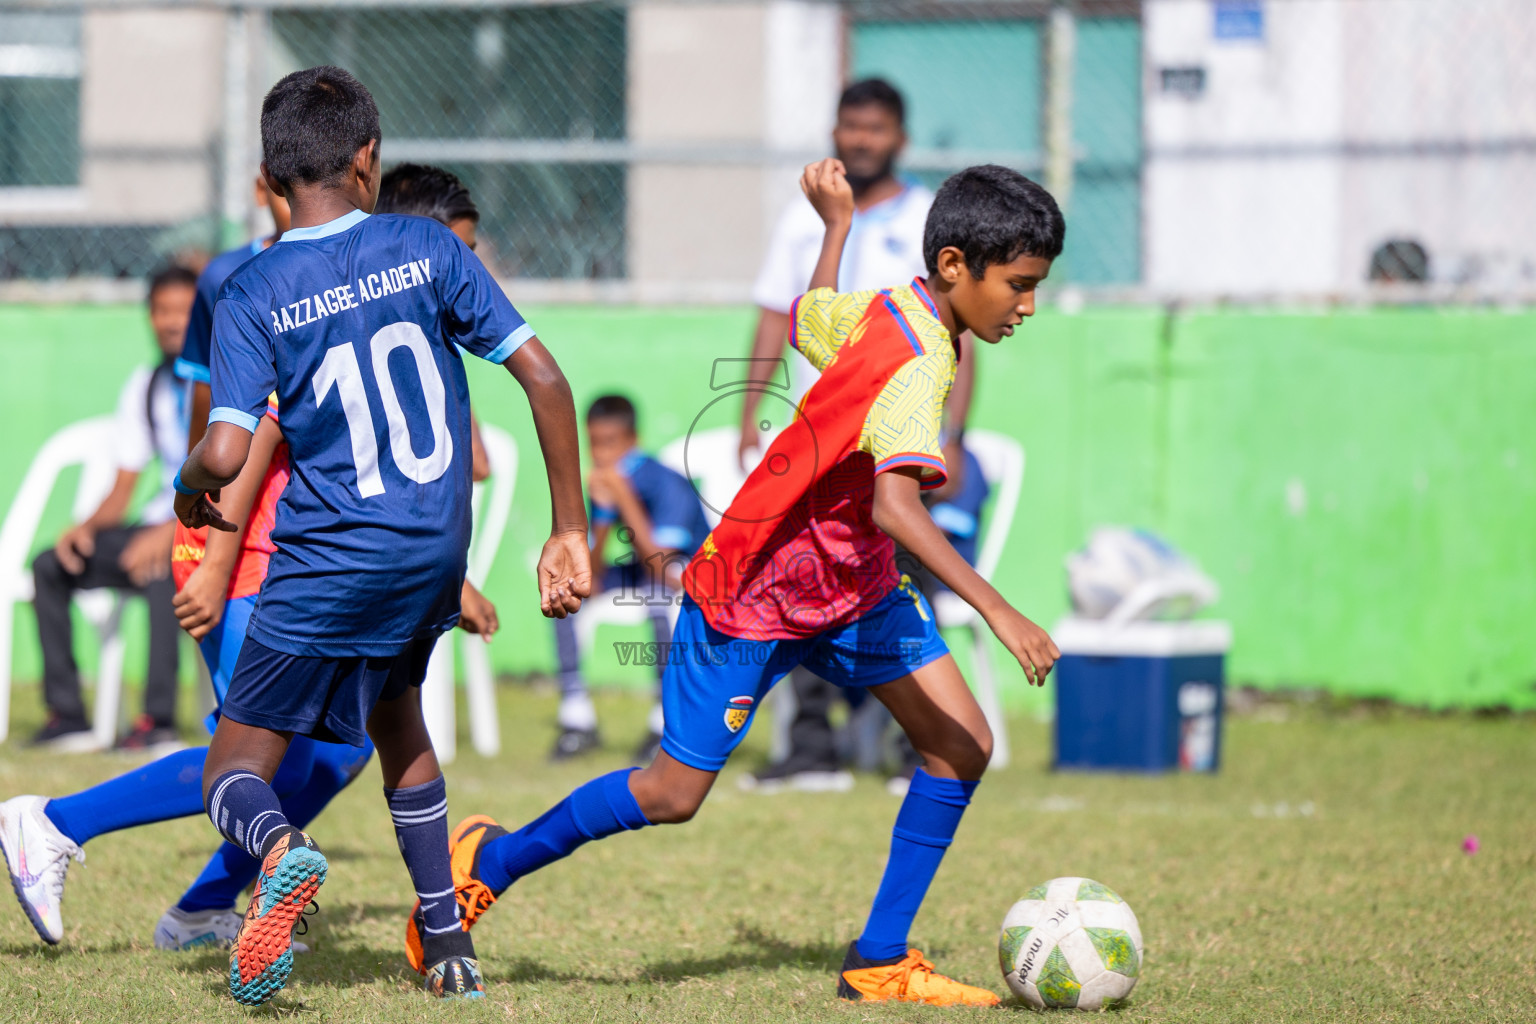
801 570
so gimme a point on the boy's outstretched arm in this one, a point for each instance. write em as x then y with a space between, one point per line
216 461
565 566
199 604
900 512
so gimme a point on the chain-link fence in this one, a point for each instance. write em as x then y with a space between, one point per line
644 148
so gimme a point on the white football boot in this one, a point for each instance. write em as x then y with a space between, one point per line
180 929
36 857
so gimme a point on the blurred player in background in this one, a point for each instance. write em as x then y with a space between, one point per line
654 510
105 550
884 248
802 569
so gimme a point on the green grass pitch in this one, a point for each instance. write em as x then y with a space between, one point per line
1318 878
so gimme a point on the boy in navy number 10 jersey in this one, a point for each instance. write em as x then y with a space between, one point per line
355 323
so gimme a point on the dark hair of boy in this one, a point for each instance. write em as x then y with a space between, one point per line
993 215
613 407
168 276
424 191
874 92
313 122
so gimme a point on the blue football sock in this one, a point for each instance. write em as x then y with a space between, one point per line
331 767
171 787
245 810
925 826
420 814
600 808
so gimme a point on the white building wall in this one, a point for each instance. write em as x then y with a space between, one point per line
732 97
1349 123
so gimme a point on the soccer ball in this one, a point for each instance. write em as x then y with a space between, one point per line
1070 942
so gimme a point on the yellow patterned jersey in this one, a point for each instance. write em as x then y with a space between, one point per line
903 425
798 552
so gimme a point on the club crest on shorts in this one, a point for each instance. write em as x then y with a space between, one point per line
737 709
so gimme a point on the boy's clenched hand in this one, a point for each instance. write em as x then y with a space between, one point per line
825 184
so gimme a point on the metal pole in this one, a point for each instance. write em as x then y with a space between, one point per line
235 197
1061 55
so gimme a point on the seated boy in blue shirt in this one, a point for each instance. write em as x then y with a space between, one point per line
657 512
355 323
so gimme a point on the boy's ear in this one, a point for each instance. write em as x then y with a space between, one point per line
951 264
366 160
272 183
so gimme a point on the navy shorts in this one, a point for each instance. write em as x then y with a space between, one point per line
328 699
713 683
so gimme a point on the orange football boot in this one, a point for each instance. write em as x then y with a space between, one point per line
464 845
291 873
910 979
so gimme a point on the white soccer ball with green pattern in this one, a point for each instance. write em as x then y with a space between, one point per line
1070 942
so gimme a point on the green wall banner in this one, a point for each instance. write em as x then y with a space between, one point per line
1362 484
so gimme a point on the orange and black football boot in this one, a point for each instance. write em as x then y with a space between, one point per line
908 979
464 845
291 873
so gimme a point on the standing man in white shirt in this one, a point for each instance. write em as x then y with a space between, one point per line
884 250
106 550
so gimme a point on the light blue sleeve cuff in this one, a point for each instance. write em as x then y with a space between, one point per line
953 520
511 343
674 537
191 371
224 414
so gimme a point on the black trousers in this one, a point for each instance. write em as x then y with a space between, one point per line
55 587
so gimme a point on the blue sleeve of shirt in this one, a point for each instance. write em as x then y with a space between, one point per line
244 363
197 345
477 314
673 507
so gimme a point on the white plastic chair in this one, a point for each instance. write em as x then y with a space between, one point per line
492 507
87 444
1002 463
707 448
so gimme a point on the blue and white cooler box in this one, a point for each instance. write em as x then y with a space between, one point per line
1141 696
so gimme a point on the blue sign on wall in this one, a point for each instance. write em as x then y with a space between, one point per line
1239 19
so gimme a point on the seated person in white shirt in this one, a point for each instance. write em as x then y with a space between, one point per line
109 550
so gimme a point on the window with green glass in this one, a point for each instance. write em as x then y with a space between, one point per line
547 73
977 88
39 99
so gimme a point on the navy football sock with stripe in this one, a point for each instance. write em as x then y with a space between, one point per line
420 814
245 810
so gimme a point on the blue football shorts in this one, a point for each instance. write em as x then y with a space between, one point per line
328 699
221 648
713 683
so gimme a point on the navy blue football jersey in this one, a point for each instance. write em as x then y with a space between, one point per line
197 343
357 325
671 503
960 516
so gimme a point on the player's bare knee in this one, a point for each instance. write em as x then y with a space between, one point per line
663 804
671 810
963 752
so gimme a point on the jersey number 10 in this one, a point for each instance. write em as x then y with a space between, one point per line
340 368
